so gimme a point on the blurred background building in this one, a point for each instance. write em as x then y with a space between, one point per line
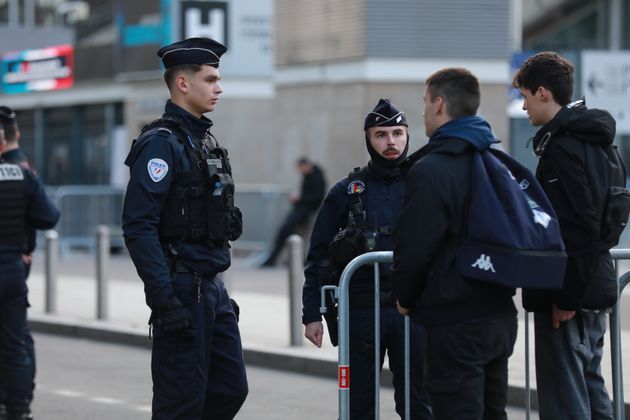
298 78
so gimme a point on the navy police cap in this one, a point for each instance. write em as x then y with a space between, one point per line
192 51
384 114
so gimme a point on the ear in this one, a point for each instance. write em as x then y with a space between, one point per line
544 94
440 105
181 83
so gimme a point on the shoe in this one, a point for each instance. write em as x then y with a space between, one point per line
20 416
3 412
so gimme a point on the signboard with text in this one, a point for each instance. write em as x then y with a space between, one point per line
606 84
37 70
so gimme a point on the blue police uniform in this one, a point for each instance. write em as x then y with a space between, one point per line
170 230
23 206
16 156
382 191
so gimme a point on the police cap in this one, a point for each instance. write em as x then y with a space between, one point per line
384 114
192 51
7 115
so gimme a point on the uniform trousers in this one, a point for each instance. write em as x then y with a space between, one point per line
15 363
199 373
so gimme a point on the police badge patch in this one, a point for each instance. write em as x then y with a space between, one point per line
356 187
157 169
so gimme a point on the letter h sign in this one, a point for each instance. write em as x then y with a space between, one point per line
205 19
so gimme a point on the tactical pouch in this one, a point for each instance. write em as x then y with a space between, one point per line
222 215
347 244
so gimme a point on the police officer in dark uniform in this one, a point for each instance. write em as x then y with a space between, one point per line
13 154
357 216
23 206
178 217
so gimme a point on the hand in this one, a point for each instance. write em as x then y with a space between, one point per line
294 197
314 331
403 311
27 258
560 315
172 316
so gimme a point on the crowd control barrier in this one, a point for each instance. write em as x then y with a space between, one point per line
341 293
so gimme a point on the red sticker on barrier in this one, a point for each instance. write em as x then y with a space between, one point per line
344 377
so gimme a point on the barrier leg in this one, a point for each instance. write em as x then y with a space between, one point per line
296 279
377 343
528 402
407 372
51 260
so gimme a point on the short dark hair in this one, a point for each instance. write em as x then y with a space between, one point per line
8 121
549 70
459 88
171 73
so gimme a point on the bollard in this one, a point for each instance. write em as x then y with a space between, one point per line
51 259
102 268
296 279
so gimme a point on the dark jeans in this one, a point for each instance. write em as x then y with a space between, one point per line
298 216
568 375
199 373
362 375
15 362
467 368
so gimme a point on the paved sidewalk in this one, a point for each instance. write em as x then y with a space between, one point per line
264 322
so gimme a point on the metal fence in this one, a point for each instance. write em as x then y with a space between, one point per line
341 293
85 207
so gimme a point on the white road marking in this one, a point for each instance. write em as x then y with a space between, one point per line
106 400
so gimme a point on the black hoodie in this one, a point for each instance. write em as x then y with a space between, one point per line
575 172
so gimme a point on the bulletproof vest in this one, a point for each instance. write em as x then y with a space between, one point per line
13 205
200 206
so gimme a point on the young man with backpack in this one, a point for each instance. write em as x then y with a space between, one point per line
583 176
470 325
357 216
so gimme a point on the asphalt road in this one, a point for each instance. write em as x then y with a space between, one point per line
79 379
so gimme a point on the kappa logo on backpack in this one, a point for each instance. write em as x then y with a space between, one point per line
512 235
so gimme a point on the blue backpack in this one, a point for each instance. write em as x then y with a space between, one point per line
512 235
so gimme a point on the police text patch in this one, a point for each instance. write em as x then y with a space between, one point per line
9 172
157 169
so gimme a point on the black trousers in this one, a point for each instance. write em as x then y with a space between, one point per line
298 216
467 368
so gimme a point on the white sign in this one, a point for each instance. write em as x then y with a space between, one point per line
606 84
243 26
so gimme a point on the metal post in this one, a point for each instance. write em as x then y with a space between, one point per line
528 402
377 342
296 280
102 269
407 371
51 259
615 337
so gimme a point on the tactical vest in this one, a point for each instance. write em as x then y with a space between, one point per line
200 205
357 237
13 205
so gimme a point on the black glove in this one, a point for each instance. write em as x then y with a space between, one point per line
236 308
172 316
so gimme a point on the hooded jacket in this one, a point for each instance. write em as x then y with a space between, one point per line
430 228
575 174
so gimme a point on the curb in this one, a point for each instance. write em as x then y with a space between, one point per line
278 359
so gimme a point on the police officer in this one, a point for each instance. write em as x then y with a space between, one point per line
23 206
357 216
13 154
178 217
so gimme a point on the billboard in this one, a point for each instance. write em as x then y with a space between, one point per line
49 68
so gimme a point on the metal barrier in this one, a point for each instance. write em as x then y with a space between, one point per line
85 207
341 293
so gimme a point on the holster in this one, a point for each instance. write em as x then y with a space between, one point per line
331 322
